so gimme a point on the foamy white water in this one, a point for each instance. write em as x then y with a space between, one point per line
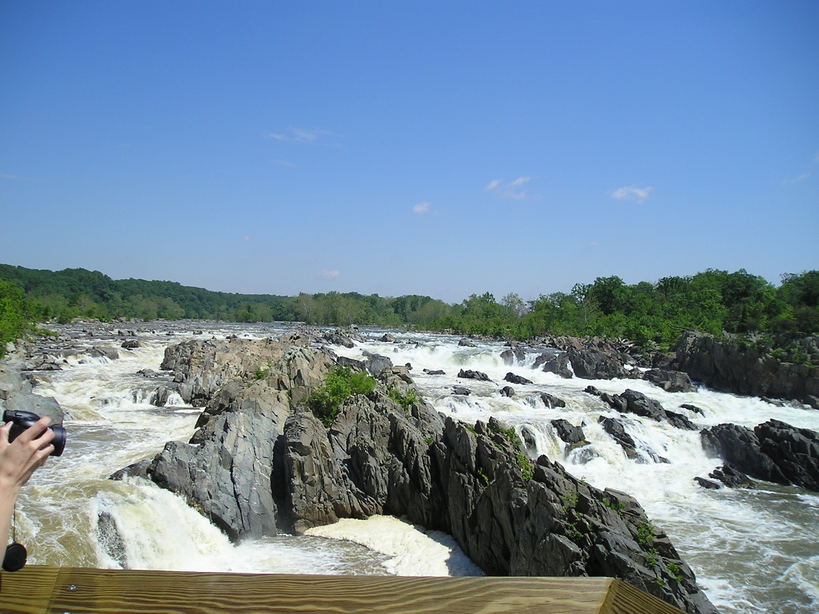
752 550
110 424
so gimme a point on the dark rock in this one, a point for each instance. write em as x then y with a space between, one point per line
387 338
108 536
512 355
466 343
615 428
671 381
710 485
351 363
692 408
568 432
679 421
104 351
469 374
551 401
516 379
554 363
461 391
434 372
377 363
811 400
592 363
160 396
139 470
507 391
23 400
773 451
130 344
731 477
592 390
733 366
336 337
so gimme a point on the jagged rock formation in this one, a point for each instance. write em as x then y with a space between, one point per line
633 402
592 363
731 366
554 363
260 463
671 381
773 451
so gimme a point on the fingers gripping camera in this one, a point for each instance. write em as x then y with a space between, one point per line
21 420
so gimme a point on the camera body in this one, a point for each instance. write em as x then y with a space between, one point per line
21 420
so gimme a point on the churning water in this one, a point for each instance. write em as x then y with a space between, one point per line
752 550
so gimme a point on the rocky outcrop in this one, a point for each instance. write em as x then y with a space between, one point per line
476 375
16 392
773 451
261 463
554 363
633 402
593 363
671 381
568 432
513 354
733 366
551 401
618 432
516 379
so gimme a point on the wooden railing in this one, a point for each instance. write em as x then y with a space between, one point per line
61 590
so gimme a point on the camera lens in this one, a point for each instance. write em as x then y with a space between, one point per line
59 440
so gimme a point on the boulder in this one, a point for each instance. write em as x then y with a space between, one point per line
512 355
387 338
516 379
773 451
507 391
692 408
466 343
470 374
671 381
592 363
376 363
731 477
461 391
130 344
618 432
434 372
551 401
731 365
708 484
554 363
105 352
568 432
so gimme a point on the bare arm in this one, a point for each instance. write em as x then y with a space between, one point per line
18 460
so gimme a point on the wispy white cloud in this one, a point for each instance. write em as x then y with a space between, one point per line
632 193
299 135
247 238
798 178
509 189
9 176
421 208
330 274
492 185
286 163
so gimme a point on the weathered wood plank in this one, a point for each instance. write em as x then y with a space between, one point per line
626 599
36 590
27 591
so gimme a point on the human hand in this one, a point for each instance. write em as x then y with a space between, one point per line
20 458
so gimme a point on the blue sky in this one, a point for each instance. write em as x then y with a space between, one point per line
439 148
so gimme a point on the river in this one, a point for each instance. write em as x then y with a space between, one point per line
752 550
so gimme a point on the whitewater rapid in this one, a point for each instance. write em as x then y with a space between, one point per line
752 550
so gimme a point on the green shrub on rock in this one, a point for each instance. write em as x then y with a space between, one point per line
341 384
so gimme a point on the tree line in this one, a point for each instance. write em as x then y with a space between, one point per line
713 301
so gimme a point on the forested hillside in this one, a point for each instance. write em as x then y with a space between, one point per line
713 301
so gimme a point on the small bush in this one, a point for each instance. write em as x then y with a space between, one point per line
341 384
404 400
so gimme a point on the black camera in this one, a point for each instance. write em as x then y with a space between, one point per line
21 420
